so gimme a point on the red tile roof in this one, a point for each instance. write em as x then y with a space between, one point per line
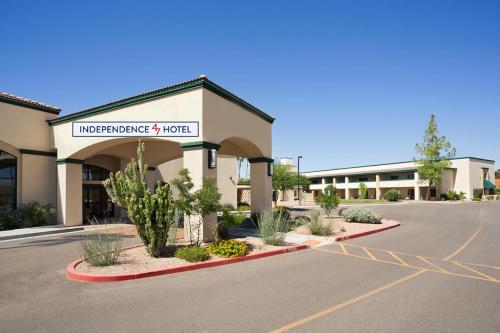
21 101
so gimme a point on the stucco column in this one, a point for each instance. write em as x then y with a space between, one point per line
417 187
260 184
378 193
334 182
347 194
323 184
196 161
69 192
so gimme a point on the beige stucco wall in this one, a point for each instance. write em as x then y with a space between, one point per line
184 106
25 128
219 113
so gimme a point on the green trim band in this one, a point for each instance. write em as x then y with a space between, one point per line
260 160
69 160
38 152
198 145
159 93
29 105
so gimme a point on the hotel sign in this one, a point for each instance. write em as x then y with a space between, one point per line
121 129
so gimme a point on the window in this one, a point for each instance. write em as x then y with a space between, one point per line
363 179
93 172
8 175
394 177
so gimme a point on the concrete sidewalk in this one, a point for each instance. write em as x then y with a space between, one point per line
37 231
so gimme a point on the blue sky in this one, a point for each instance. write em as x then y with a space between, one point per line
350 82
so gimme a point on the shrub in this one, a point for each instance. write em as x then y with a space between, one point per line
361 215
328 200
392 195
477 193
192 253
452 195
101 248
229 220
283 211
242 208
10 219
228 248
363 191
272 228
316 225
35 213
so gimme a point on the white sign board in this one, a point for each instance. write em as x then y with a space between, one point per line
121 129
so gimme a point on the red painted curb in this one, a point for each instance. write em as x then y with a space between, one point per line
73 274
365 233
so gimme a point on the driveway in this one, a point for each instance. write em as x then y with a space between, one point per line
357 287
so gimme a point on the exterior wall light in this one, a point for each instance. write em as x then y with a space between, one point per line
270 169
212 158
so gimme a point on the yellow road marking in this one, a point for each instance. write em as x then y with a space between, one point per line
398 258
409 266
346 303
480 265
343 249
369 254
433 265
464 245
476 271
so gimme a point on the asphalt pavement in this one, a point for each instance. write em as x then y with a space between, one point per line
357 287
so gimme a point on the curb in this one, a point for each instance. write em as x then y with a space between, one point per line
73 274
365 233
43 233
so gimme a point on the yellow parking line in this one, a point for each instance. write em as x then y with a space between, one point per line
369 253
433 265
441 271
480 265
476 271
346 303
343 249
398 258
464 245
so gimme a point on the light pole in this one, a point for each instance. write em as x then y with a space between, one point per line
298 177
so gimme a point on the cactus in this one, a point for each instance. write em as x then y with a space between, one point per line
151 212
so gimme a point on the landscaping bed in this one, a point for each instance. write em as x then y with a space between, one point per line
134 262
352 228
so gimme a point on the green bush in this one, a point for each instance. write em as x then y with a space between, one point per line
101 248
242 208
392 195
10 219
360 215
229 220
477 193
452 195
283 211
272 228
192 253
228 248
36 214
476 199
316 225
363 191
328 200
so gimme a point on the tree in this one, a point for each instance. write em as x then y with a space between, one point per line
435 153
200 203
363 190
497 174
153 213
284 179
328 200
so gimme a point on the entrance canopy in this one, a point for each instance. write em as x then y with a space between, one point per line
186 124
